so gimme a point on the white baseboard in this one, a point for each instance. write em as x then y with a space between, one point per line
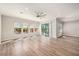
70 35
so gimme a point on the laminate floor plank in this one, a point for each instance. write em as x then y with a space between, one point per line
36 46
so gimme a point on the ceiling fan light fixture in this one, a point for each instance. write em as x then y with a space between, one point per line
39 13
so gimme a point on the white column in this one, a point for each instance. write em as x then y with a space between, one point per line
0 28
40 28
53 28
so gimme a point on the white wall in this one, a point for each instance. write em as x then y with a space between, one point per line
59 26
71 28
8 27
0 28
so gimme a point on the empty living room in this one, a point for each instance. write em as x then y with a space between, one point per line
39 29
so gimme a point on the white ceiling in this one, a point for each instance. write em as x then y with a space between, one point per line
65 11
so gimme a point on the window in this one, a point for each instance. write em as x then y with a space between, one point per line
17 28
25 28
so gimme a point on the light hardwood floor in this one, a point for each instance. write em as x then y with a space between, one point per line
37 46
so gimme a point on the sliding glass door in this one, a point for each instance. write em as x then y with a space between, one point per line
45 29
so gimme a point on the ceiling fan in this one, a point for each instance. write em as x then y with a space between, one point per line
39 13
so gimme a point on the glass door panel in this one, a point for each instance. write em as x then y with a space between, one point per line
45 29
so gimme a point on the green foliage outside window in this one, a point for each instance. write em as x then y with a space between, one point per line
45 29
